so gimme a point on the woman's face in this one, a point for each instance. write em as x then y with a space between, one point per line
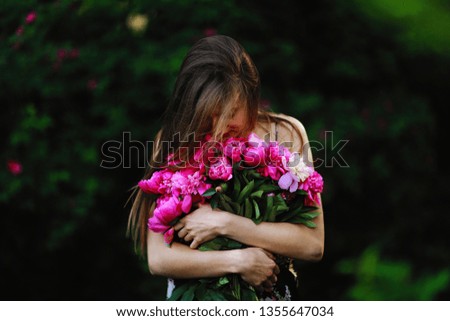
237 123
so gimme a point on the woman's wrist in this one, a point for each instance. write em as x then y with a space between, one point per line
224 221
234 258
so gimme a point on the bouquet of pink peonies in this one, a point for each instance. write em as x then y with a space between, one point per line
259 180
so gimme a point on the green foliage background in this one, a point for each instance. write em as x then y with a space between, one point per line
375 73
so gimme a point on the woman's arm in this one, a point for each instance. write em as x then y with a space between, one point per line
256 266
293 240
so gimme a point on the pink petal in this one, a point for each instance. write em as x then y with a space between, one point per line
285 181
156 226
168 236
294 186
187 203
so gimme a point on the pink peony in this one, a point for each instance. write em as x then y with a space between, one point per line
221 170
188 181
276 157
254 156
14 167
31 17
167 209
159 183
234 148
313 185
156 225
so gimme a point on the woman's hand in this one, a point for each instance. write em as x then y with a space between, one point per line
257 267
202 225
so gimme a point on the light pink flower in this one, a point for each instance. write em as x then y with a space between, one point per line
14 167
288 181
31 17
221 170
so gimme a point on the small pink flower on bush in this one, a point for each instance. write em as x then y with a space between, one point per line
209 32
221 170
61 53
74 53
14 167
19 31
92 84
31 17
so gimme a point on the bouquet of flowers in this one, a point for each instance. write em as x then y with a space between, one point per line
259 180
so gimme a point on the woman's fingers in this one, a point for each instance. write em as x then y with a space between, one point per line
276 270
178 226
182 233
194 244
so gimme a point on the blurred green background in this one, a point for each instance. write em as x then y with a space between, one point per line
75 74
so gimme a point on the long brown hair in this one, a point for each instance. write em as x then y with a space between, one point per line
216 77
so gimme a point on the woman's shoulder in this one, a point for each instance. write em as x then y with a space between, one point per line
285 129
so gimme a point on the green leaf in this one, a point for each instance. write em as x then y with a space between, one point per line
309 216
269 188
236 186
257 194
179 291
257 212
236 287
246 191
255 175
209 192
189 294
214 295
299 220
224 205
248 208
281 208
223 280
214 203
249 295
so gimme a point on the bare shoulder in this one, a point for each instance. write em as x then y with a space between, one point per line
289 131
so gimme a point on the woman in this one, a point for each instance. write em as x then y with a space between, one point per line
217 92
